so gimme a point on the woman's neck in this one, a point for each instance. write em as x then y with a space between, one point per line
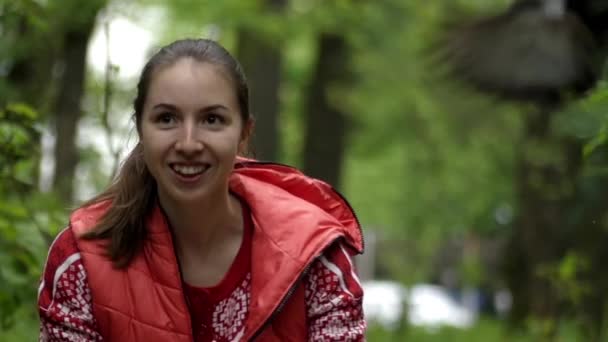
198 226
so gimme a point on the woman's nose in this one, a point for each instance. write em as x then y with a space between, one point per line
189 141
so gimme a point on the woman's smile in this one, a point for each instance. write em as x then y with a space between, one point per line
189 173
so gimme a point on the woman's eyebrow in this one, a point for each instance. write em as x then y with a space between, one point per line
213 107
204 109
164 106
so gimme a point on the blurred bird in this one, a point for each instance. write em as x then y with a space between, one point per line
536 50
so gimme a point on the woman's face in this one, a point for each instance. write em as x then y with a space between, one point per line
191 130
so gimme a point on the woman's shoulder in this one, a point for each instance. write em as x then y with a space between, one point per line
63 246
63 253
287 192
86 217
64 296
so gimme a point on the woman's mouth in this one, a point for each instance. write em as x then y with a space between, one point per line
189 172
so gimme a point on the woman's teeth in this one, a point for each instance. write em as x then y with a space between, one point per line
188 170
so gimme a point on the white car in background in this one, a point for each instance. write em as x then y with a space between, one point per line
384 303
388 303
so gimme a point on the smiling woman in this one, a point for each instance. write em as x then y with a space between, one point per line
191 131
194 242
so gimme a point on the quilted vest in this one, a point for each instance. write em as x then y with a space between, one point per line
295 219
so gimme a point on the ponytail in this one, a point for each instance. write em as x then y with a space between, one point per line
132 196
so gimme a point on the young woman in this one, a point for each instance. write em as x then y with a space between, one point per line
191 242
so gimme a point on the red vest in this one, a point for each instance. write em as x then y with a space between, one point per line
295 218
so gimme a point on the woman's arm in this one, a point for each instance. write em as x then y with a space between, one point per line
64 298
334 298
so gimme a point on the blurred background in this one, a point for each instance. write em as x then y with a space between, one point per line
470 136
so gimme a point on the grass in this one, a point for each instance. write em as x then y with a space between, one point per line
486 330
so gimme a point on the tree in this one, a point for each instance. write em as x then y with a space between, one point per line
326 123
47 71
260 55
67 109
553 205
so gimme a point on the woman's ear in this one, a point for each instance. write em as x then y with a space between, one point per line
245 136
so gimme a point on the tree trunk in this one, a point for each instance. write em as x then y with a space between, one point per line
547 174
326 123
262 61
68 104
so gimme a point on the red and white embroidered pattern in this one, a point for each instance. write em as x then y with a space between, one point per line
334 299
65 302
229 315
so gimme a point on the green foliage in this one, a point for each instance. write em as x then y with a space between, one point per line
485 330
427 160
18 141
594 112
24 329
586 118
565 275
28 219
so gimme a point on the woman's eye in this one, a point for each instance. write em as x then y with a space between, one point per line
213 119
165 118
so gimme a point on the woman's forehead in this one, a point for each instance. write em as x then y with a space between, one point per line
191 81
192 66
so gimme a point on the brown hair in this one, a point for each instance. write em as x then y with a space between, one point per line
133 192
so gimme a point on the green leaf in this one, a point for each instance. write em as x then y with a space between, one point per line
23 110
594 143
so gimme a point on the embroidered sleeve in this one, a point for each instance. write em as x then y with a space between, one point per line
64 298
334 299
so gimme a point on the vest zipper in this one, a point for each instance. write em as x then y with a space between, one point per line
257 162
288 295
290 292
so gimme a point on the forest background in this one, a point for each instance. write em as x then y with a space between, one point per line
454 186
